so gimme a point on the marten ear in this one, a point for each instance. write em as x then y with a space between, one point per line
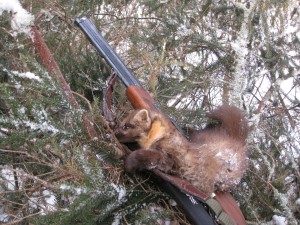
143 117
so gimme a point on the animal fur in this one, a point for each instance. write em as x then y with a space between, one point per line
215 159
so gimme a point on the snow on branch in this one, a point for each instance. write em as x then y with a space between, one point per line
241 52
21 19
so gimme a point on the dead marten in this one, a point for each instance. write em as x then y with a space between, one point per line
214 160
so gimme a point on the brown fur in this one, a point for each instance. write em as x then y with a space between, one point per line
216 160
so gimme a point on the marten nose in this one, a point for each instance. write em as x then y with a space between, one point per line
112 125
117 131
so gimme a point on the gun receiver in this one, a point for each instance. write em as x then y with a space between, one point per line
140 98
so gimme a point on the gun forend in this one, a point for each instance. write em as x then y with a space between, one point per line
106 51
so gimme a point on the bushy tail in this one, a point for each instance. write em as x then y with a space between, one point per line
230 119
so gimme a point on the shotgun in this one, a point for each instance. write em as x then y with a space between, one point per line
140 98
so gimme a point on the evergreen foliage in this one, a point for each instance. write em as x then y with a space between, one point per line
192 56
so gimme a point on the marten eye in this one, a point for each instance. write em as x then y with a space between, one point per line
127 126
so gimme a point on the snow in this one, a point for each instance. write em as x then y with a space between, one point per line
24 75
45 203
279 220
77 191
50 201
283 201
183 31
286 84
195 58
241 51
44 126
298 202
33 126
4 218
121 191
22 110
27 75
117 219
292 53
289 89
8 176
263 84
21 19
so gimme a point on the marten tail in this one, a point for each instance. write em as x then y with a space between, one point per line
230 119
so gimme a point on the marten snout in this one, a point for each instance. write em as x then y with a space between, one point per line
125 135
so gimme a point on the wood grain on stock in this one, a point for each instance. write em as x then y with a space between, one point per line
139 98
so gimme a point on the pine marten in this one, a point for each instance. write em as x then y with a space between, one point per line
215 159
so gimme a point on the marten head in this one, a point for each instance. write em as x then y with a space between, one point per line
134 127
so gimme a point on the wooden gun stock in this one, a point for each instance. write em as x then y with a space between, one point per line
139 98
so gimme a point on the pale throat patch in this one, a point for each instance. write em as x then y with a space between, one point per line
156 132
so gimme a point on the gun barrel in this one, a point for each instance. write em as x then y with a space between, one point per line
106 51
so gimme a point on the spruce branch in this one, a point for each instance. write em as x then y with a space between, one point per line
54 70
286 111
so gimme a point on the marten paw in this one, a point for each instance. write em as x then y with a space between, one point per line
142 159
166 166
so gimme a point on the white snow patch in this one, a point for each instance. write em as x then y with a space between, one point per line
50 201
21 19
27 75
240 47
4 218
8 178
22 110
287 84
290 90
50 198
42 126
263 83
292 53
45 203
183 31
195 58
45 127
117 219
290 29
77 191
121 190
279 220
